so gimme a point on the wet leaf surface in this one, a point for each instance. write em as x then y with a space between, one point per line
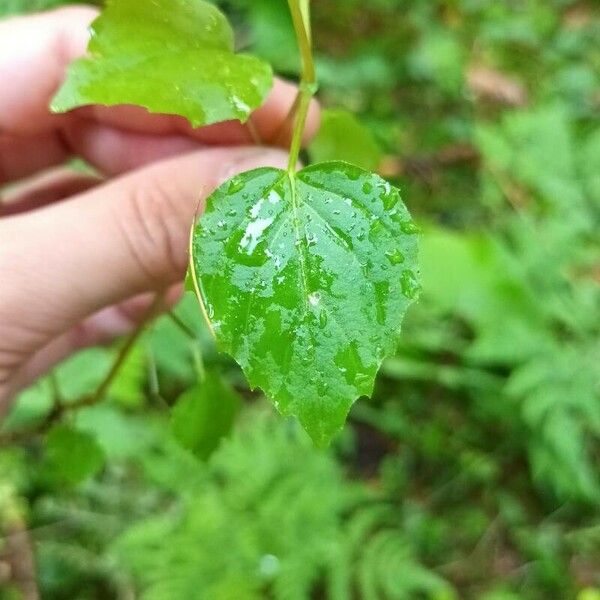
305 280
170 56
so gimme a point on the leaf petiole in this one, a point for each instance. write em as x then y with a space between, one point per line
300 10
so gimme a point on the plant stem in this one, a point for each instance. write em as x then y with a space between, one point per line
253 131
57 396
123 354
59 410
189 333
195 344
198 362
300 11
305 9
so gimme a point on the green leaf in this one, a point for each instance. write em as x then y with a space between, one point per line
204 415
72 455
343 137
170 56
305 279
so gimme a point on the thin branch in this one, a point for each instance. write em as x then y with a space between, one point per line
182 326
121 357
253 131
61 409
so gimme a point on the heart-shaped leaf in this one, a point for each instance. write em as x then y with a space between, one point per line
170 56
305 279
204 415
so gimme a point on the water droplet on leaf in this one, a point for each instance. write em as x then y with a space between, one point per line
235 185
410 285
395 256
409 228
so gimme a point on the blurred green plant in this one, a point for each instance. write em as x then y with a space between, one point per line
472 473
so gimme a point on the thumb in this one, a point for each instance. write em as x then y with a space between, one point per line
63 263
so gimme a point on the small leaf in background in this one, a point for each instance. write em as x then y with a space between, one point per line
170 56
343 137
273 35
72 455
204 415
439 57
120 434
306 280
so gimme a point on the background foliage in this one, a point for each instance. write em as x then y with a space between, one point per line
473 472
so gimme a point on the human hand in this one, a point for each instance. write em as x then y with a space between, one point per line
82 258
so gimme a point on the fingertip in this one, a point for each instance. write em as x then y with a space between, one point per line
273 120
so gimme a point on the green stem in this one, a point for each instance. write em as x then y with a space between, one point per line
198 362
123 355
57 396
187 331
300 11
60 410
195 345
305 9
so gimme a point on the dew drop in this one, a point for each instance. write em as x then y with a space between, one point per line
322 387
388 196
235 185
240 105
395 256
353 173
409 228
410 285
367 187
